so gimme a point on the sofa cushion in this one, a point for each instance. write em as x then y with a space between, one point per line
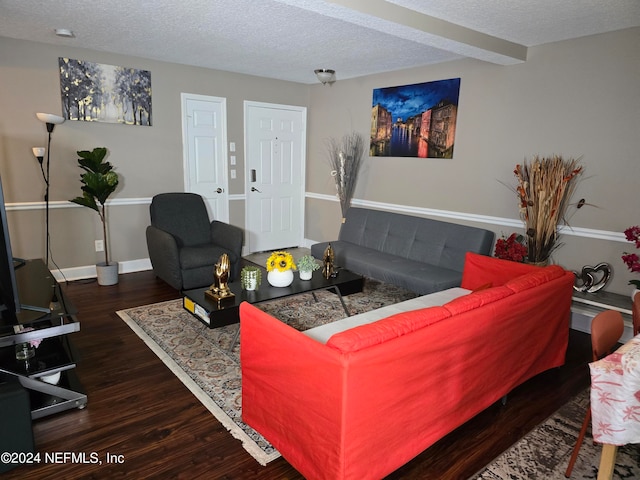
421 278
415 238
420 254
538 277
322 333
370 334
477 299
208 254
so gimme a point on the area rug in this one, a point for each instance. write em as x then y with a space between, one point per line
206 359
545 451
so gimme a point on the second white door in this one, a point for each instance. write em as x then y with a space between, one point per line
204 123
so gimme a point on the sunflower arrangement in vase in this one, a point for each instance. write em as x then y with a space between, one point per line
280 266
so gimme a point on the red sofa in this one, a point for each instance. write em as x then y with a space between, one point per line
376 395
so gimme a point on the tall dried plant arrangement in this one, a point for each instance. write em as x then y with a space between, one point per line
545 187
345 160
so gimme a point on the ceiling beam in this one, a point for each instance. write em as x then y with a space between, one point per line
410 25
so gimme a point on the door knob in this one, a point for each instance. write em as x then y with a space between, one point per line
219 190
254 189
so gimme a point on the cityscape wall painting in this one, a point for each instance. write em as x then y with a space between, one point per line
416 120
95 92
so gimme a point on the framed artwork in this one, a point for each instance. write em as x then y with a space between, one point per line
94 92
416 120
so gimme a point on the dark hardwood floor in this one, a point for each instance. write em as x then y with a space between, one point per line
138 410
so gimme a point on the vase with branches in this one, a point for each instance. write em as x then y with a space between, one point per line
545 187
99 181
345 159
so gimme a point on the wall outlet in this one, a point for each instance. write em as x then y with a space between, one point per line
99 246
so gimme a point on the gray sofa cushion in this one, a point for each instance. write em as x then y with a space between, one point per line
415 276
419 254
421 239
183 215
195 257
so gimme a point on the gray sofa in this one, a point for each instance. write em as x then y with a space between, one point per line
419 254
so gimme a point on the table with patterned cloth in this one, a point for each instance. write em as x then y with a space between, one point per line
615 402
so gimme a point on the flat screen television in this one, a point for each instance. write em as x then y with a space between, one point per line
11 309
8 286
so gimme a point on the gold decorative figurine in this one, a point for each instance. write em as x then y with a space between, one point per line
327 262
220 290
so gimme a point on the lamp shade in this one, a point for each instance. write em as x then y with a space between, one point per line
38 152
50 118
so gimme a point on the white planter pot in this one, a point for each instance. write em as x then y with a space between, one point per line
276 278
306 274
107 274
251 283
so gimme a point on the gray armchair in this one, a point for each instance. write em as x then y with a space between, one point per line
184 244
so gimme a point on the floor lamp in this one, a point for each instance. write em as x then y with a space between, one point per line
51 121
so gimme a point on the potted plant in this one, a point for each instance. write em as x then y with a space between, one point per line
250 277
280 266
307 265
99 181
632 260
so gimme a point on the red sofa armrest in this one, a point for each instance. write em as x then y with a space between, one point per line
283 369
482 270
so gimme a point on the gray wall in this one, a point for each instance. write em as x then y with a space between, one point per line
148 159
578 97
575 98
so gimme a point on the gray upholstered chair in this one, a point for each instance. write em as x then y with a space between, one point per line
184 244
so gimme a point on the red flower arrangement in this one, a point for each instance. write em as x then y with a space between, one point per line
631 260
511 248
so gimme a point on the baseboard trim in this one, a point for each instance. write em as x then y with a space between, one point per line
89 271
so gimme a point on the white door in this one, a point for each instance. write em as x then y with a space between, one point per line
204 131
275 146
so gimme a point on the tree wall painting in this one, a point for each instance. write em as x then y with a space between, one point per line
95 92
416 120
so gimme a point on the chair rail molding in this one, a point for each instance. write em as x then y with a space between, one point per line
473 217
145 263
23 206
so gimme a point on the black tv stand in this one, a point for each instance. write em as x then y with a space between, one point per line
18 262
55 356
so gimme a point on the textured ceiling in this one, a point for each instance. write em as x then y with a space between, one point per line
288 39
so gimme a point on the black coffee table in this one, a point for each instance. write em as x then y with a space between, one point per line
216 315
